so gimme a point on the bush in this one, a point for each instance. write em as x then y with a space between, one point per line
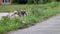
14 1
29 1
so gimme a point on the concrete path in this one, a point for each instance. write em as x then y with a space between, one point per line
4 14
49 26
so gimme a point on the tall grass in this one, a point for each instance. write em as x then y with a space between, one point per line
35 14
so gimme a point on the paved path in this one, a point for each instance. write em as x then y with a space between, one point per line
4 14
49 26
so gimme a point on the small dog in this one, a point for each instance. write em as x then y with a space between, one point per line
21 13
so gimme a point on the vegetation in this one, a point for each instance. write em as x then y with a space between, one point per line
35 13
36 1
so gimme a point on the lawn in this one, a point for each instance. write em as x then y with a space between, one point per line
35 14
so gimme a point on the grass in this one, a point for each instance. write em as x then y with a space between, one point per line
35 14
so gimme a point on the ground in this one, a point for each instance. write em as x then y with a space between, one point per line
49 26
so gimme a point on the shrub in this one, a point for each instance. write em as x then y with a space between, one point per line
29 1
14 1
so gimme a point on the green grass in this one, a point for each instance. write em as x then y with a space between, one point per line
35 14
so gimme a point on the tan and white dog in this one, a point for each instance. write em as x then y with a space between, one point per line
17 13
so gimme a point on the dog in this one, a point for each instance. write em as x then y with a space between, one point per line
18 13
